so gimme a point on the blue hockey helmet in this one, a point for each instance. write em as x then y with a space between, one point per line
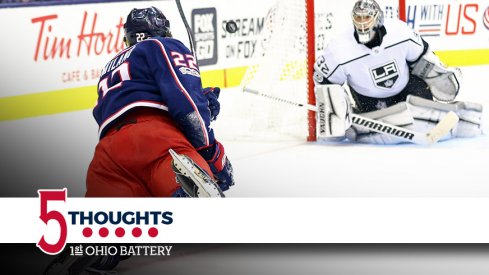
145 23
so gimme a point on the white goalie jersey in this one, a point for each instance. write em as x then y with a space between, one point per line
380 72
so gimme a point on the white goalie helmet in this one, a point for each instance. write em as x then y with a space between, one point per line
367 18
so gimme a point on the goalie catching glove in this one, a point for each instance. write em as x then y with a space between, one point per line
444 82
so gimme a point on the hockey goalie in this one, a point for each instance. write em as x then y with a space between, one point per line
392 77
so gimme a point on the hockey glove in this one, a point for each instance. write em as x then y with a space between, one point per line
212 95
219 164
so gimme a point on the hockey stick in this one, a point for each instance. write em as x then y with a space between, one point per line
434 135
187 27
193 179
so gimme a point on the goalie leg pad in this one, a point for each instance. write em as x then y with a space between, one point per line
444 82
427 113
334 109
397 115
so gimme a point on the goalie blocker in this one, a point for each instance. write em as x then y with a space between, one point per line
333 111
334 118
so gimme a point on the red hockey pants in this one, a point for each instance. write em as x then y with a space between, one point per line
132 159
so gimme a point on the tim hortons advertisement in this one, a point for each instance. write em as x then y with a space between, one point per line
65 46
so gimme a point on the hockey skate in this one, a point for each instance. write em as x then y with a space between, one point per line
193 179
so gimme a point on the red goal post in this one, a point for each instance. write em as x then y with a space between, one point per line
311 58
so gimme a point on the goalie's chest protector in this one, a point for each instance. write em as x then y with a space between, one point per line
379 72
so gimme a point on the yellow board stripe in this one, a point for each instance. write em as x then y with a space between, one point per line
82 98
47 103
464 57
225 78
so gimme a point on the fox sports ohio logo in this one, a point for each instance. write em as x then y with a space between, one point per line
96 224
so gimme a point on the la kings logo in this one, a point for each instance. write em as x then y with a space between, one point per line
385 75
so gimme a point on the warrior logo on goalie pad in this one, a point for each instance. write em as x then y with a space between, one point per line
377 126
386 75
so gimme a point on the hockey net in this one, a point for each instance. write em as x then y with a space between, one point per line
291 36
280 68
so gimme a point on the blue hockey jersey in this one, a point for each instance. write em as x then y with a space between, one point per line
160 73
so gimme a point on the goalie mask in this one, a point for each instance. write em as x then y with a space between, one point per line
144 23
367 18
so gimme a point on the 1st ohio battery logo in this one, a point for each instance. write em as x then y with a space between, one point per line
115 224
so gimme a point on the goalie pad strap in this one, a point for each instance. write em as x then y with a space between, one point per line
390 113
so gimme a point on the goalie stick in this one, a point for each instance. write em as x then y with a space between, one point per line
434 135
196 182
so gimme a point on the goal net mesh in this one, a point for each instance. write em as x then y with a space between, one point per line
282 69
279 70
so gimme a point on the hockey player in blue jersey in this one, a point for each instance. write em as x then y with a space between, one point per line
150 100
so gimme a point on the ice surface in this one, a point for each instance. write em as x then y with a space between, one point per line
54 152
295 168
